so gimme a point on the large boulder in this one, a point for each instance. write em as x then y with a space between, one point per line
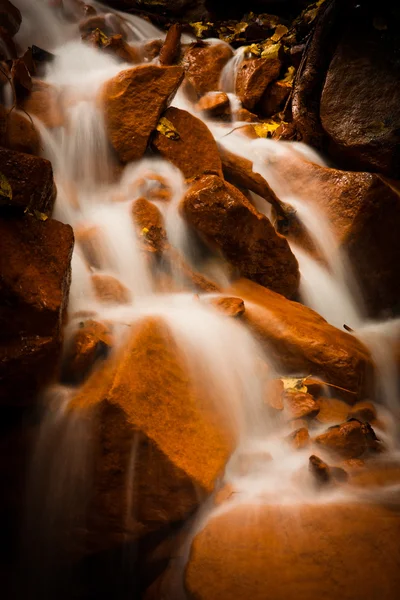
301 342
227 220
203 64
133 101
303 552
35 276
195 151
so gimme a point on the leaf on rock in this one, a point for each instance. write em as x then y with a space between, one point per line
102 36
5 187
294 383
279 33
40 216
266 129
271 50
145 231
166 128
289 75
199 28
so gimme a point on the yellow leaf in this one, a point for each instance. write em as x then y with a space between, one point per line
199 28
263 130
5 187
145 231
294 383
40 216
102 36
289 75
166 128
279 32
254 49
271 51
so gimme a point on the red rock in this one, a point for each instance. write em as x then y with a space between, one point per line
253 77
150 225
301 342
226 219
10 17
335 543
31 181
19 133
348 440
214 104
133 102
203 64
299 439
172 45
195 152
109 290
299 405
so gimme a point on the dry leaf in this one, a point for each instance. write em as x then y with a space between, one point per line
40 216
166 128
294 383
264 130
279 32
5 187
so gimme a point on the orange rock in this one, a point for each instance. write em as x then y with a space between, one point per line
226 219
19 133
274 394
299 439
214 104
301 341
109 290
90 241
348 440
195 152
133 102
299 405
174 261
115 45
203 64
274 98
253 77
363 411
335 542
44 103
150 225
230 307
245 115
31 182
172 45
319 470
91 342
146 408
332 411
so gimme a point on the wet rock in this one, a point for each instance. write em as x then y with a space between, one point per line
172 45
109 290
253 77
274 394
364 212
299 439
203 64
339 474
214 104
144 402
30 180
274 98
360 102
175 263
115 45
227 220
18 133
245 115
319 470
150 225
89 239
230 307
332 411
44 103
348 440
300 405
90 342
301 341
133 102
34 284
195 151
345 535
10 17
109 24
363 411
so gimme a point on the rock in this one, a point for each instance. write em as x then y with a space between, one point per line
300 341
274 394
203 64
319 470
274 98
8 50
300 405
44 103
339 474
150 225
225 218
363 411
108 24
10 17
133 102
31 181
172 45
90 241
214 104
299 439
364 213
253 77
144 402
115 45
230 307
19 133
335 543
175 263
34 284
332 411
195 152
360 103
348 440
109 290
90 342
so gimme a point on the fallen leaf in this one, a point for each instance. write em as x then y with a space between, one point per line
166 128
264 130
5 187
271 51
294 383
279 32
40 216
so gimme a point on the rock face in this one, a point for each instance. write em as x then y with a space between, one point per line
302 342
335 542
143 402
35 278
203 64
360 102
195 152
225 218
364 212
253 77
133 102
30 180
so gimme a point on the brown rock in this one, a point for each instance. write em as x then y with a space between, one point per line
245 115
203 64
172 45
150 225
44 103
332 411
363 411
227 220
133 102
109 290
144 402
230 307
301 341
253 77
90 342
299 439
300 405
320 470
10 17
335 543
115 45
214 104
8 51
31 181
348 440
274 98
195 152
19 133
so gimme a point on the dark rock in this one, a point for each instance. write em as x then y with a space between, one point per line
203 64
